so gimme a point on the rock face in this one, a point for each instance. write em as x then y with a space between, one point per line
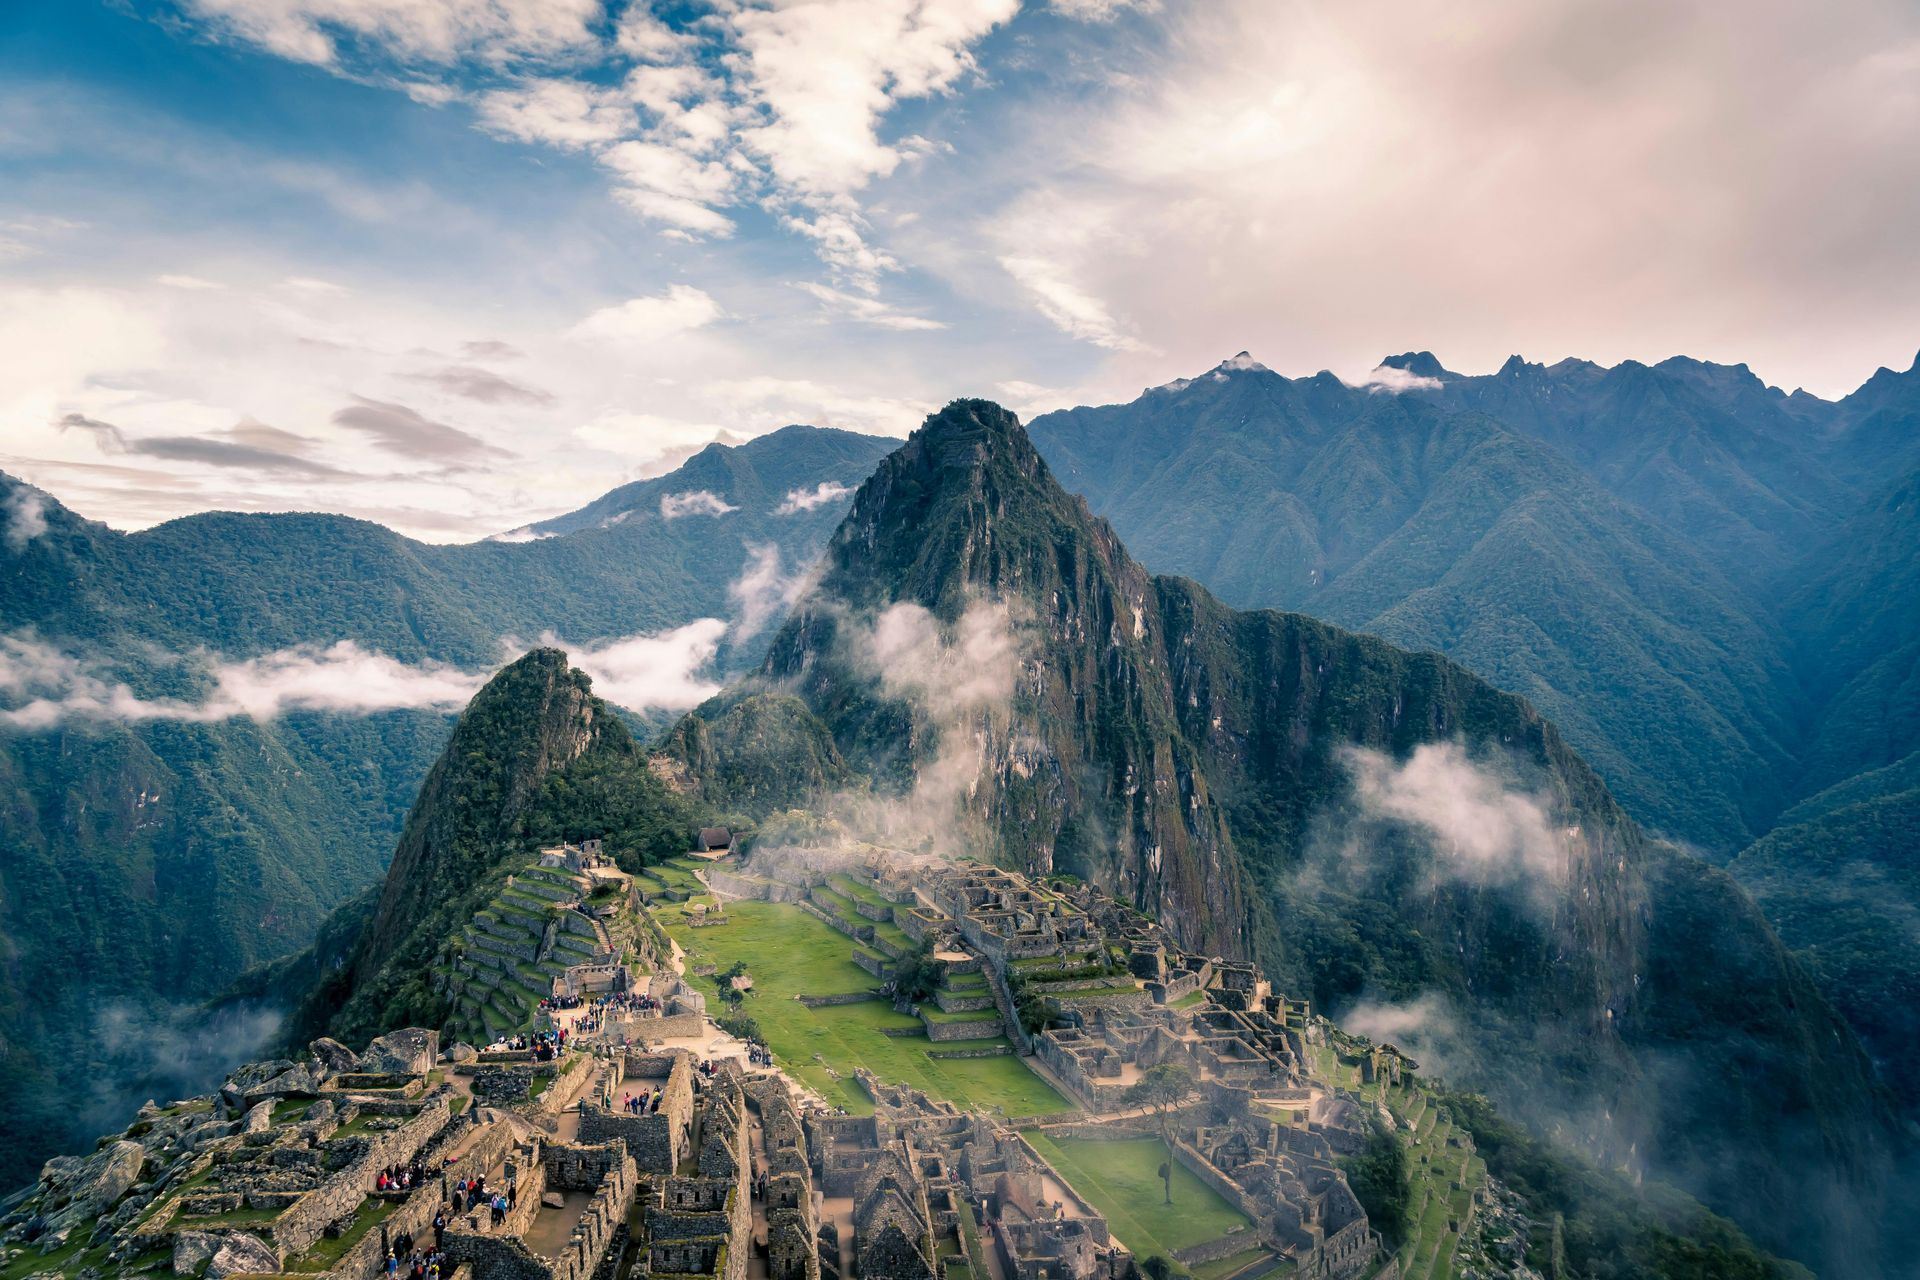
336 1056
410 1051
242 1254
79 1191
192 1250
1194 760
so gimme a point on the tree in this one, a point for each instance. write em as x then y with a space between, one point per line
1381 1181
732 994
1161 1089
1158 1267
917 976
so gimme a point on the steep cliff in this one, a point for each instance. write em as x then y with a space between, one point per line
1377 827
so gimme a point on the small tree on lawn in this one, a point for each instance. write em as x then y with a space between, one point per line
1161 1090
732 994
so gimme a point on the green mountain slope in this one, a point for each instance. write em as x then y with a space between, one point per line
534 759
1198 760
1438 529
1840 879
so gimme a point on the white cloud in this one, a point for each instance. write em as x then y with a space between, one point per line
49 686
342 677
26 518
867 310
173 281
1482 829
653 672
525 533
568 114
1394 380
643 320
1073 310
698 502
1098 10
823 75
762 592
798 500
434 31
313 285
950 677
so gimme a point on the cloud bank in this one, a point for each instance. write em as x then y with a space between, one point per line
697 502
47 686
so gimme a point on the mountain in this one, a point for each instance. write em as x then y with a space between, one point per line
1431 527
118 829
1840 879
1378 828
533 760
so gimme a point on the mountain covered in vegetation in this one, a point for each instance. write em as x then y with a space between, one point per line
986 652
154 852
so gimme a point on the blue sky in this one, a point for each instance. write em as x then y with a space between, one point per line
457 264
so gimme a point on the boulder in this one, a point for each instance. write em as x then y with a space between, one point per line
553 1200
240 1254
293 1080
193 1250
463 1052
336 1055
81 1190
259 1119
410 1051
320 1112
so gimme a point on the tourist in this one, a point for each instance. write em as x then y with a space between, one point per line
393 1264
440 1229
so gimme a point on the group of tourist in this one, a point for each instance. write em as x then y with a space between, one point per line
642 1103
415 1263
399 1177
470 1195
759 1055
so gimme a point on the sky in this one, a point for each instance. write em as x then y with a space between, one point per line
458 265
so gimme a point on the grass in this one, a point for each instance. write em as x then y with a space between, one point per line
287 1108
326 1252
791 953
1123 1182
1221 1268
1188 1000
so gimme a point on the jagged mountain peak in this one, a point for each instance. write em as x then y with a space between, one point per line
1421 364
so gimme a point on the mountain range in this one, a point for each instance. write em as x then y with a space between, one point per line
1701 585
156 851
1376 827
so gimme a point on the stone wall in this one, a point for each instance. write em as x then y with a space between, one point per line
306 1220
973 1029
657 1142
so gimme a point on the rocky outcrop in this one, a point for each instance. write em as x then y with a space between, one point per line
242 1254
77 1191
408 1052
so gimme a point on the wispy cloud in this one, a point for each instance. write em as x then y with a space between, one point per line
798 500
45 685
409 433
649 319
26 517
696 502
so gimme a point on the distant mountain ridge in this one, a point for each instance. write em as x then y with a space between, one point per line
1614 543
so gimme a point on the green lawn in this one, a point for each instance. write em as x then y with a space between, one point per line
1123 1182
791 953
